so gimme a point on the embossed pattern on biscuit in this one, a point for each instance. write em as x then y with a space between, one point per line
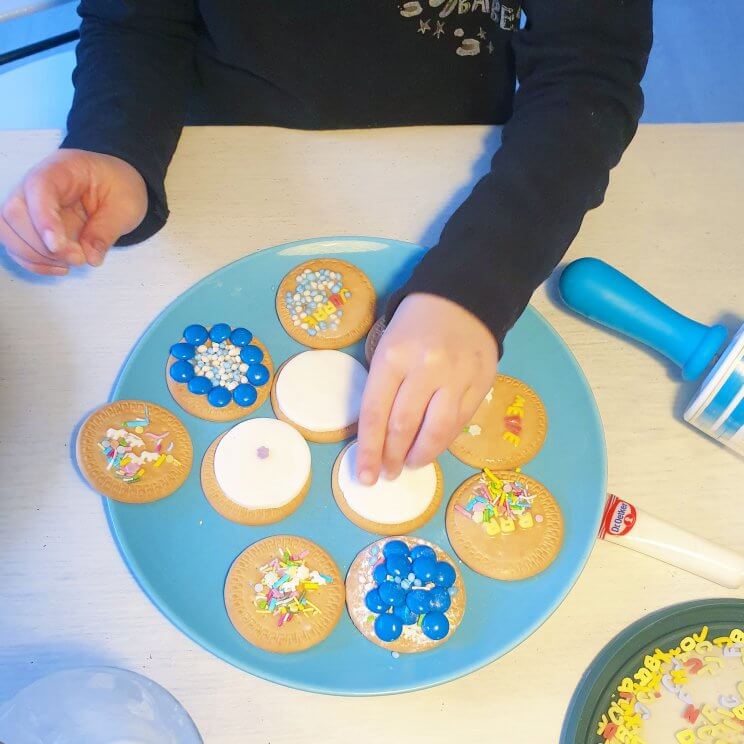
326 303
262 627
134 451
508 429
360 580
514 551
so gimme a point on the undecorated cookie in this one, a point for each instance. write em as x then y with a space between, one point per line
134 451
504 525
284 594
390 507
320 394
326 303
220 373
258 472
507 430
405 594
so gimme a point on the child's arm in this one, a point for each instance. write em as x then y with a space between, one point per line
579 64
135 69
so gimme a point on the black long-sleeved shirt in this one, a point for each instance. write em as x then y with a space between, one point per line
146 67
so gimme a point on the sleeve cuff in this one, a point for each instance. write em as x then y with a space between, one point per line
157 205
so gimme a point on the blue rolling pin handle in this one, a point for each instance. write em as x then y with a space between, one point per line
600 292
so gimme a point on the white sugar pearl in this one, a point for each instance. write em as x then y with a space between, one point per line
199 372
232 385
303 325
244 379
201 348
209 374
243 367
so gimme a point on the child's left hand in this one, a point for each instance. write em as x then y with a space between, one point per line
432 368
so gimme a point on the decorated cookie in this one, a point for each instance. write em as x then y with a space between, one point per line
405 594
373 338
390 507
219 374
284 594
258 472
320 393
134 451
326 303
506 431
689 692
504 525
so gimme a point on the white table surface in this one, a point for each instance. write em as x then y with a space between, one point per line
673 219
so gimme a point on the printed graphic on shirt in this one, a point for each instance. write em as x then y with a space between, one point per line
468 25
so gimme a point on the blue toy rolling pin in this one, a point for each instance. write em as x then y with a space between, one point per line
600 292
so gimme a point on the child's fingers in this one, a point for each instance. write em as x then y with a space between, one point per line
406 417
40 268
22 253
42 192
16 216
379 393
440 426
102 229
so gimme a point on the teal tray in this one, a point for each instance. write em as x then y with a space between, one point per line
179 549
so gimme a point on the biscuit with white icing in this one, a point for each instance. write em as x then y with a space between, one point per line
320 394
258 472
390 507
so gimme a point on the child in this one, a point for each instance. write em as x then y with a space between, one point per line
147 67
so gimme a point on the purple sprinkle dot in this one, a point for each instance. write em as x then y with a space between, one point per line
262 452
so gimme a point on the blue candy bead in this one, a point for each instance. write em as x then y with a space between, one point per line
435 626
181 371
257 374
245 395
380 573
200 385
195 334
423 568
439 599
374 603
406 614
418 601
218 333
251 354
219 396
395 547
391 593
422 551
183 351
444 574
388 627
397 565
241 336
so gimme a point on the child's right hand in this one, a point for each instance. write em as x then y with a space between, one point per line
70 209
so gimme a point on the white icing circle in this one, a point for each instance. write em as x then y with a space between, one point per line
388 501
257 482
321 390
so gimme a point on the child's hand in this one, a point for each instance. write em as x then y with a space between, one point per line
432 368
70 209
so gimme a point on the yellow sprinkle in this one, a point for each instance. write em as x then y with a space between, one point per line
159 461
169 458
126 461
138 429
140 472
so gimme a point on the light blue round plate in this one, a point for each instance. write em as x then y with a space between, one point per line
179 549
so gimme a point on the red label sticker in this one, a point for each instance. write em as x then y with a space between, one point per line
619 517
